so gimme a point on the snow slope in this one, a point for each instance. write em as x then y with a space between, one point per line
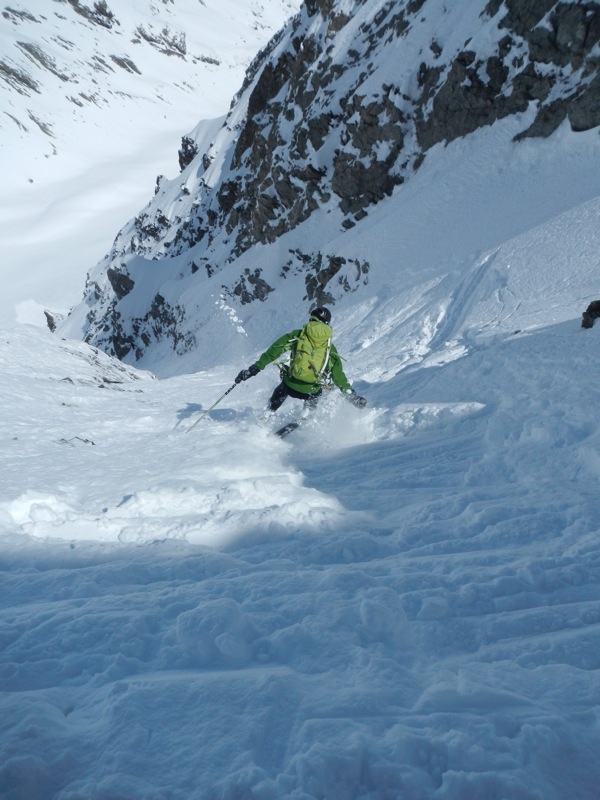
394 602
398 602
94 108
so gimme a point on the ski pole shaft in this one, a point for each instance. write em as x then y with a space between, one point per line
211 408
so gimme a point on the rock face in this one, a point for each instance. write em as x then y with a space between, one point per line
545 45
340 109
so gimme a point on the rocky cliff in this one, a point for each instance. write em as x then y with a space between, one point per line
340 110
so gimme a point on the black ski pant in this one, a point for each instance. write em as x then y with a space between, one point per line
282 392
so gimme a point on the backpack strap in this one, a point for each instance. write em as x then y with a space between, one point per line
323 370
285 359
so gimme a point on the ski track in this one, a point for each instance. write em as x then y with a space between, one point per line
460 302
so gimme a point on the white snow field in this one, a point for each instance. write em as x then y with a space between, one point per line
395 602
82 150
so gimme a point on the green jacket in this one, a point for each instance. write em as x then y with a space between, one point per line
286 342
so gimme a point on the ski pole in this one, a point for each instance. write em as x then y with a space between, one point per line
211 408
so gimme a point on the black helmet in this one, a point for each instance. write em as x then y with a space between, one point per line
322 314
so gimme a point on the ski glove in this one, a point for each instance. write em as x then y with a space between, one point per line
247 373
356 399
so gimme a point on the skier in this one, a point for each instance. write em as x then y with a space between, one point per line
314 362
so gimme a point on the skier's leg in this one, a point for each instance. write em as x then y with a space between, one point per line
310 403
278 397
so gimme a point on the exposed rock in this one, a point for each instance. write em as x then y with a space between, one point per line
100 14
165 41
123 338
125 63
187 152
584 108
320 125
251 286
40 57
16 15
358 186
18 79
566 38
121 283
326 277
52 319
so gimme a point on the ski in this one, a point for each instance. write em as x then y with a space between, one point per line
287 429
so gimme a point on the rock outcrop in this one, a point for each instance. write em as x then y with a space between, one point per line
338 111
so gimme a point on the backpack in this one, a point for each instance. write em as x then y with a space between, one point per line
311 353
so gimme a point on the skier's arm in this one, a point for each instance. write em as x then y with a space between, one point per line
337 372
341 381
277 348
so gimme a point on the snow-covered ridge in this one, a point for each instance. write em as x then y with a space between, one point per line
69 361
337 120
